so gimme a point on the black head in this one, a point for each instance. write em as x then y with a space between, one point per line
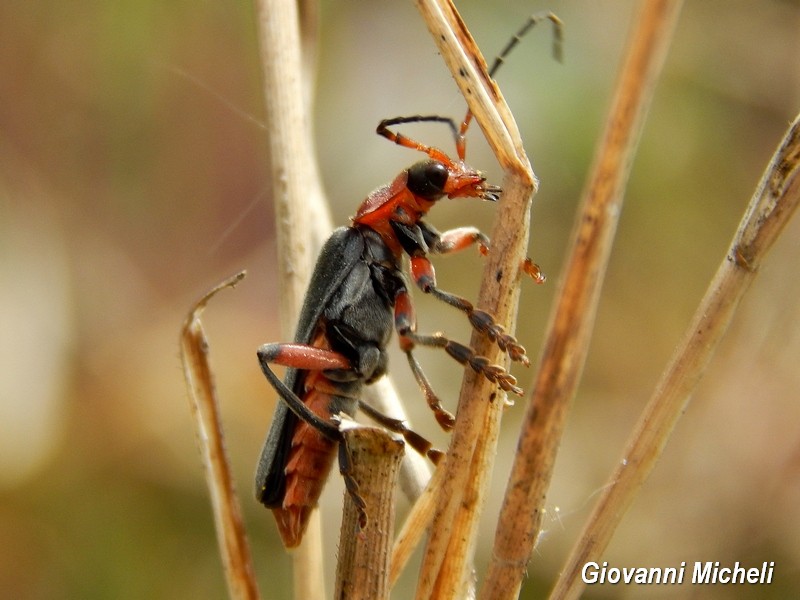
427 179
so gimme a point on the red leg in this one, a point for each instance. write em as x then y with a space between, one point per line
405 323
302 356
454 240
309 358
312 440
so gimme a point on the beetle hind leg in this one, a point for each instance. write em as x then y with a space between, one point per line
346 470
415 440
301 356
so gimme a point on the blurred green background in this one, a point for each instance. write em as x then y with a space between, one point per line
133 176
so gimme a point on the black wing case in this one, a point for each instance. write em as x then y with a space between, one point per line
337 258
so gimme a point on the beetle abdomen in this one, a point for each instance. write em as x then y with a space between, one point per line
309 460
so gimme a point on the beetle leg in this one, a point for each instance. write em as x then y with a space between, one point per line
460 238
306 466
425 277
405 323
444 417
466 356
346 470
415 440
301 356
533 270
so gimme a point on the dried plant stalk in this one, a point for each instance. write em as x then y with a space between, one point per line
416 524
567 340
291 160
450 548
363 568
415 472
287 121
233 547
775 201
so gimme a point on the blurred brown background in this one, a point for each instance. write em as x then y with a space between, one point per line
133 177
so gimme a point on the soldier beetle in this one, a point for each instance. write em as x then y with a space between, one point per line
358 295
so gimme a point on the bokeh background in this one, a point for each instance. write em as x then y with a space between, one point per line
133 176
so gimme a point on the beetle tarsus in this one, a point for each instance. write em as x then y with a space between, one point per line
345 468
533 270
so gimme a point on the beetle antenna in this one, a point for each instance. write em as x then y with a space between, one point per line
407 142
459 133
558 43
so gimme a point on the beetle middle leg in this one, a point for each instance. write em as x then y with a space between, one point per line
425 277
454 240
405 324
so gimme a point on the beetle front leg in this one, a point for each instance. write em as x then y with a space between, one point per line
425 277
454 240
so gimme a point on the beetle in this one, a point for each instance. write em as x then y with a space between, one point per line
357 296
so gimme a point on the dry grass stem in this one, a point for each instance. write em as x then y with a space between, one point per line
571 322
287 121
416 524
308 14
468 67
415 470
233 547
291 161
773 204
448 555
363 568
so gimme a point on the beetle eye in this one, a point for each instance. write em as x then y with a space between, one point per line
427 179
